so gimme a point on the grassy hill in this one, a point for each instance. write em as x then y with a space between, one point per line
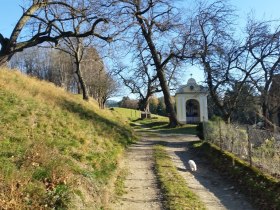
133 115
156 123
56 151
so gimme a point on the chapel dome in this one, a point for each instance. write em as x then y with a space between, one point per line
191 81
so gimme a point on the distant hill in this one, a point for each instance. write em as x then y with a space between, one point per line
56 151
112 103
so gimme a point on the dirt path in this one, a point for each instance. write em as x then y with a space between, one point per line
141 187
213 190
140 184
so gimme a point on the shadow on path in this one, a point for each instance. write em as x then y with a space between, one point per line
213 189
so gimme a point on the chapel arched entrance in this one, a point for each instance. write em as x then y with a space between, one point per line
192 111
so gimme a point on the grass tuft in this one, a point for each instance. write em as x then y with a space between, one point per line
120 182
177 195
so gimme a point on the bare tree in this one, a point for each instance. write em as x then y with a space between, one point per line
33 61
227 60
157 24
50 21
75 48
103 87
101 84
62 71
223 58
140 80
263 46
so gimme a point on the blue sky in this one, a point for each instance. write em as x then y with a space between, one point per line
10 12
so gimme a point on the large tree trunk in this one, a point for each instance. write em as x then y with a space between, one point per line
226 118
4 60
5 54
82 82
144 104
265 108
265 112
173 122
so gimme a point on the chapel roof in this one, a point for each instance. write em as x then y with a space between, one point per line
191 87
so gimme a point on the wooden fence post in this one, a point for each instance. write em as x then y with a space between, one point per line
220 134
249 146
204 130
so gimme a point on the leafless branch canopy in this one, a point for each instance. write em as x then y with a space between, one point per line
50 21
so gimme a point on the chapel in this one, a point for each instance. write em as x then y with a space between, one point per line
191 103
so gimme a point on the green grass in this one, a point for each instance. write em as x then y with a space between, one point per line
177 195
134 115
119 183
130 114
155 123
50 141
160 125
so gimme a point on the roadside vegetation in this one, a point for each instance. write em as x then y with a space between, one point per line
160 125
156 123
259 147
119 188
176 193
263 189
56 150
129 114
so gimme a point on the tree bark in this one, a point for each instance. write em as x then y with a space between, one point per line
226 118
144 104
4 60
173 122
265 112
82 81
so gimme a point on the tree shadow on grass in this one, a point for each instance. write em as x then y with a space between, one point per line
163 128
179 130
104 124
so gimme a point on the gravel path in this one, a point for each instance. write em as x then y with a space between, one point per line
140 184
141 187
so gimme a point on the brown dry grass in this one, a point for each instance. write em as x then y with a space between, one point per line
54 147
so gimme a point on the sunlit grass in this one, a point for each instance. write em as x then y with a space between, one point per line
120 182
176 193
155 123
134 115
130 114
160 125
50 141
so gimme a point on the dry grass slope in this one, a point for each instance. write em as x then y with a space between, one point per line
56 151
